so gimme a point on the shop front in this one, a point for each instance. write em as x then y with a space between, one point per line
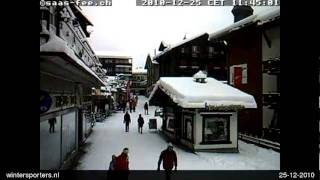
201 115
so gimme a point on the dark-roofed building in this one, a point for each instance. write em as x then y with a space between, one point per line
191 55
116 64
152 68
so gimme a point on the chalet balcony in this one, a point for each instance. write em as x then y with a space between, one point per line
67 43
271 66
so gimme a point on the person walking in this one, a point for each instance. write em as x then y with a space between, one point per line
140 123
169 158
146 107
52 122
112 167
134 104
122 165
130 105
136 98
127 121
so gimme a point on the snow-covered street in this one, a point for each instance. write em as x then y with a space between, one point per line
109 137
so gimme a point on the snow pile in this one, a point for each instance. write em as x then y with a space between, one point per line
139 71
109 138
200 75
190 94
56 44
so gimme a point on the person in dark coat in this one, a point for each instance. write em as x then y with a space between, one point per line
127 121
130 105
140 123
146 106
122 165
134 104
52 122
169 158
112 168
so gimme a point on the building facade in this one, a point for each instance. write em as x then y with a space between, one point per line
152 68
115 65
191 55
139 81
68 71
253 59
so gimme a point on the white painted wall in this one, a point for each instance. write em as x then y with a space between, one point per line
274 36
267 116
269 82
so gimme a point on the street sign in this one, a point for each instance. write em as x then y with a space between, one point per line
45 101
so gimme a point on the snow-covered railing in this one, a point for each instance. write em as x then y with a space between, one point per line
262 142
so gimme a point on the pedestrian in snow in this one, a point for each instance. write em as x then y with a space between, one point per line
136 98
130 105
140 123
122 165
127 121
52 122
112 167
134 104
169 159
146 106
112 162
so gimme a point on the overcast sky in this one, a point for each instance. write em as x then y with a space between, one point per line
127 29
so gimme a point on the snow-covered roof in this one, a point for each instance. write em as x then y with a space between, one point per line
113 54
190 94
154 62
139 71
56 44
179 44
266 16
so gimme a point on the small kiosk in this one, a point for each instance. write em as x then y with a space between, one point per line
200 112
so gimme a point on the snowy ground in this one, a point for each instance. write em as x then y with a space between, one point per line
109 138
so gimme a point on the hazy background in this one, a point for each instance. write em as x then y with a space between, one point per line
127 29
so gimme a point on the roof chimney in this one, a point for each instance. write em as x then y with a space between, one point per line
241 12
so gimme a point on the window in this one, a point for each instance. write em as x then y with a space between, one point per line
183 50
216 129
45 18
195 51
188 127
210 51
170 123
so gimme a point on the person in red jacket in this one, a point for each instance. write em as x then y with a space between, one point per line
169 158
122 164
